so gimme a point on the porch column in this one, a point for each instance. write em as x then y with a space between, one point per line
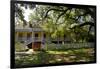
32 40
33 36
42 40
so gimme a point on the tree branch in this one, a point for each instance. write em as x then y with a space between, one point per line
83 24
51 10
86 23
62 13
89 30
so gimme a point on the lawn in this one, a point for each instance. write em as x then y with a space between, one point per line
49 57
19 47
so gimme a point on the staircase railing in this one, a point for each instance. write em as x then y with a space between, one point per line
34 39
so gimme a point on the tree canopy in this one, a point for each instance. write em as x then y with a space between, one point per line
77 23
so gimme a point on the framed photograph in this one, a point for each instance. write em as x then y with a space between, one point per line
50 34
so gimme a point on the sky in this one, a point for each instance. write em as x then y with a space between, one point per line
27 13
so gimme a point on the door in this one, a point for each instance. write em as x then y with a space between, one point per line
36 45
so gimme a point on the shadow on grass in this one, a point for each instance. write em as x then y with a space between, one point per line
45 57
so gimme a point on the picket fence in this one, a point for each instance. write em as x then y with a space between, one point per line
69 46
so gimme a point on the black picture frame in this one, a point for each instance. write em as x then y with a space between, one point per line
12 30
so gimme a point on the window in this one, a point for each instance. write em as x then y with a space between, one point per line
36 34
44 35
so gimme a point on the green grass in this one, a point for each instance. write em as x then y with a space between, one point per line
57 52
47 57
19 46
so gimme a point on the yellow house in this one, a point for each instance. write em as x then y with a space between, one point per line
34 37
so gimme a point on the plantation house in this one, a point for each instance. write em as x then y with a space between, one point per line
36 37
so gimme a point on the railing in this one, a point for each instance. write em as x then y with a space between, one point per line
60 39
40 39
29 40
68 46
21 39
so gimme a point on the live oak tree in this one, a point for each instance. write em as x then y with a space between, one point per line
80 21
60 21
